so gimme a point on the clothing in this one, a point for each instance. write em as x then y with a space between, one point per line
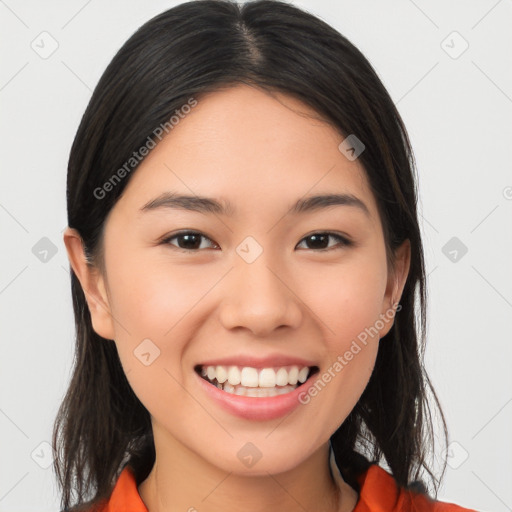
378 493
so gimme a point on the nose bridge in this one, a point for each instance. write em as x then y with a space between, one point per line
259 297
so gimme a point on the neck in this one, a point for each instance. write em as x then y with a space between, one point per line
180 480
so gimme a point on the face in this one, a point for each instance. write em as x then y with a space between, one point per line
246 285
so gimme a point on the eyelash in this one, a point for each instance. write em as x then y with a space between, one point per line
342 241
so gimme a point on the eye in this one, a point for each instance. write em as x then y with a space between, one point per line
188 240
320 241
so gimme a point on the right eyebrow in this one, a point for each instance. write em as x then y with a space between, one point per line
199 204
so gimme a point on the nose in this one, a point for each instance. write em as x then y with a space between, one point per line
260 298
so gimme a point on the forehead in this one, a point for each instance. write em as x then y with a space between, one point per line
251 149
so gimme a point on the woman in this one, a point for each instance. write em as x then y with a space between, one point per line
245 252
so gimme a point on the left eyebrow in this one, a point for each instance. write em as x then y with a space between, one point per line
205 205
312 203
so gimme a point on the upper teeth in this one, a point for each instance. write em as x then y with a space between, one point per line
252 377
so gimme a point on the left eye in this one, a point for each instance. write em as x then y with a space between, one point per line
318 241
192 241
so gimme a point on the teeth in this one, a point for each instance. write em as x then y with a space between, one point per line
267 378
228 387
255 392
221 374
303 374
282 377
293 375
234 375
248 377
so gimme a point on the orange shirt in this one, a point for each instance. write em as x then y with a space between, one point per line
378 493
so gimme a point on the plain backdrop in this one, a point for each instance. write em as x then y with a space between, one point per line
446 66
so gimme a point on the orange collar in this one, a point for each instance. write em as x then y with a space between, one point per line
378 493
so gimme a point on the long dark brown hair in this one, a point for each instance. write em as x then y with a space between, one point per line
190 50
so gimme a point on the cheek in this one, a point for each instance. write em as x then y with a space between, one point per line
154 301
347 303
155 307
154 297
347 300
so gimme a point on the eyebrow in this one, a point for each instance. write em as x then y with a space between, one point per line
206 205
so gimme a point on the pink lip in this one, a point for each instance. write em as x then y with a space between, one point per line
259 362
256 408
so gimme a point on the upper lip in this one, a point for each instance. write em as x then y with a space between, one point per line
270 361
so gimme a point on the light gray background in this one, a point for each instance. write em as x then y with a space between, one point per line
458 111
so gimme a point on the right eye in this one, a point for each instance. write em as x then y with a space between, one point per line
188 241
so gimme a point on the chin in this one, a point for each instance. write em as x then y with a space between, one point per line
257 458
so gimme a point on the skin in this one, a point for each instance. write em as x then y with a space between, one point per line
262 153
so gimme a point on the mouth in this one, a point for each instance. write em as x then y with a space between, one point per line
256 382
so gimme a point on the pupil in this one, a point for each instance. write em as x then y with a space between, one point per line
322 238
190 238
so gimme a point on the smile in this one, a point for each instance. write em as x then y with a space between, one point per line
256 382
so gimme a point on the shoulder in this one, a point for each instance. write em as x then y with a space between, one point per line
124 496
379 492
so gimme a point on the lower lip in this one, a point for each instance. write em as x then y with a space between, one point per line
256 408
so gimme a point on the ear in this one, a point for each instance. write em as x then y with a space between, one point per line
396 282
92 283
